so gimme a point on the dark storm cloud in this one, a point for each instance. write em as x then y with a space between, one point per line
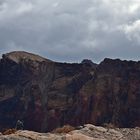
71 30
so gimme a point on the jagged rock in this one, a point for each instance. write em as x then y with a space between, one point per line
40 92
88 62
46 94
89 132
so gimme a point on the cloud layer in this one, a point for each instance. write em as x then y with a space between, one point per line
71 30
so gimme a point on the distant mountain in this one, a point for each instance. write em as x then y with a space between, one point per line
46 94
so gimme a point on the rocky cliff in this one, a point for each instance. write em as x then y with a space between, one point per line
46 94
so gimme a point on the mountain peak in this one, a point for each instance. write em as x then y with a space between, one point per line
17 56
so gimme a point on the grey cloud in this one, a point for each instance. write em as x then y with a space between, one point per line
71 30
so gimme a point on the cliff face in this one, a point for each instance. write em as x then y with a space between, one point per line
45 94
115 93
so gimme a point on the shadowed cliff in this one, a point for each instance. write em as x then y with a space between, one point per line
46 94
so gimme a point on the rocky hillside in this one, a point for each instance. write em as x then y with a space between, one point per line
46 94
88 132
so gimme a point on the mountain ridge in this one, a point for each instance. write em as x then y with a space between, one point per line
47 94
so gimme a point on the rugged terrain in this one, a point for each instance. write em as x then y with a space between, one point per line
47 94
88 132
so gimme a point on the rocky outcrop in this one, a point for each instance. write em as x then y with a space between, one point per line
39 91
88 132
18 56
46 94
116 93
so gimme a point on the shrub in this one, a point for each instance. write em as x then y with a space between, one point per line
64 129
9 131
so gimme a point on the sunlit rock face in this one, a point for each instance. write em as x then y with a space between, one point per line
87 132
46 94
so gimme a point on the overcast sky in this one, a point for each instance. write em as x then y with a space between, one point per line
71 30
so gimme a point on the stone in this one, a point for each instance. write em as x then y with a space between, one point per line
95 134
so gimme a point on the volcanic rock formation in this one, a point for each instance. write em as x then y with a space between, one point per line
47 94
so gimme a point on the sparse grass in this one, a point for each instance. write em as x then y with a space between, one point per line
9 131
109 125
64 129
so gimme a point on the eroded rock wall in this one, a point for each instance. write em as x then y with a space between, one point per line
46 94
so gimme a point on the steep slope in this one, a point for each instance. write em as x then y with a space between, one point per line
46 94
38 91
114 94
